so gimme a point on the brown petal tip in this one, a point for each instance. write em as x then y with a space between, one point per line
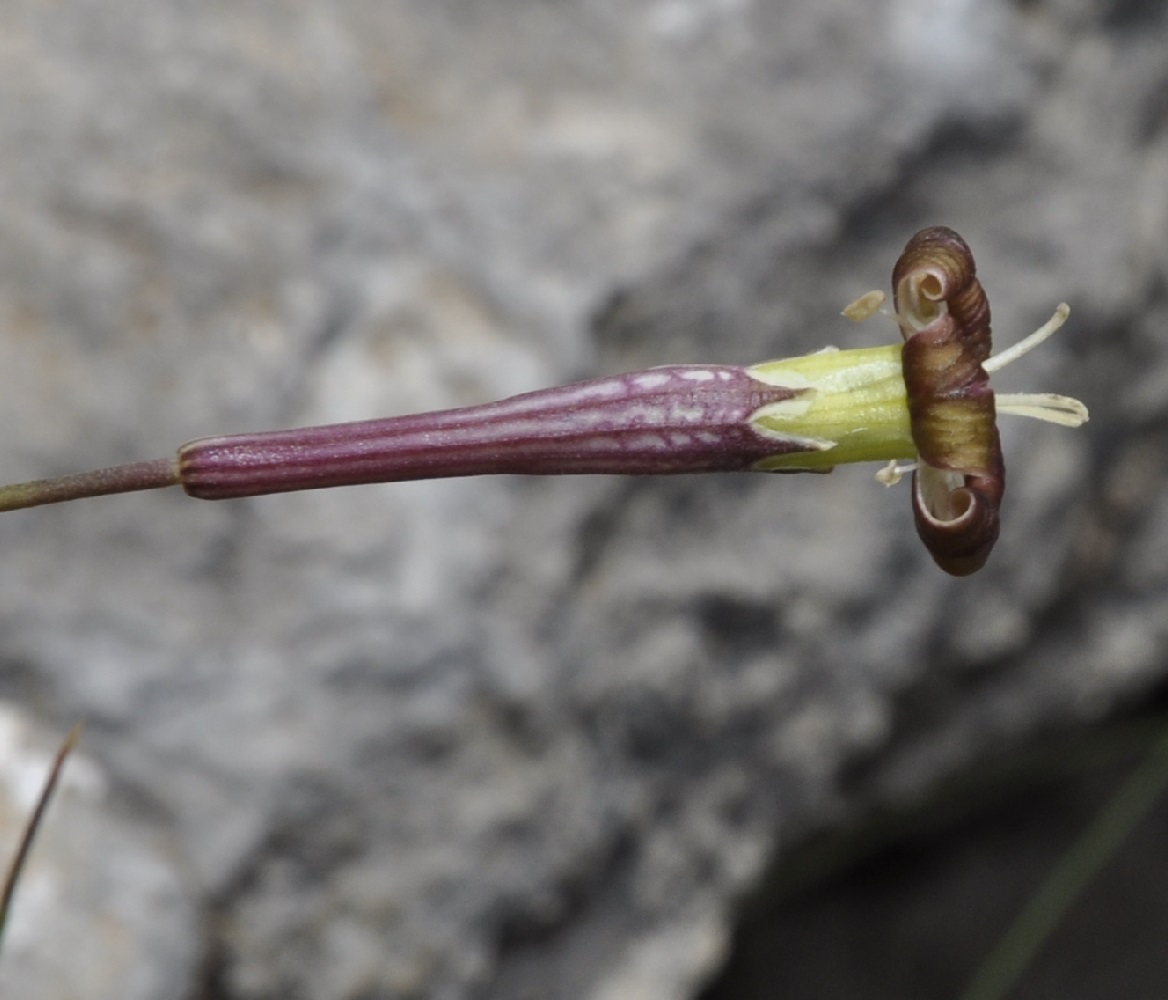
945 319
958 521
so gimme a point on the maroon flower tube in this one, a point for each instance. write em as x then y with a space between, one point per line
674 419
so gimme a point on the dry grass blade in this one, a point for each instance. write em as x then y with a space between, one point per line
34 822
1035 925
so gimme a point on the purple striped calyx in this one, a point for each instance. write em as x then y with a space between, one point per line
673 419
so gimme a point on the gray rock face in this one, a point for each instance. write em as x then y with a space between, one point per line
507 738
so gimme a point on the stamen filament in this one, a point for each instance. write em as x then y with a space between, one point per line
1046 406
1027 344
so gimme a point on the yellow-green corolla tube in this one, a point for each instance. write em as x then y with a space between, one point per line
853 408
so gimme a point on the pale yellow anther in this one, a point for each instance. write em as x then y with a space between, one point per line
866 306
1047 406
894 472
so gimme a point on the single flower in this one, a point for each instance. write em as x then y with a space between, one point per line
927 400
938 409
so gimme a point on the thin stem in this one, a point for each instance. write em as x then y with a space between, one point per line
130 478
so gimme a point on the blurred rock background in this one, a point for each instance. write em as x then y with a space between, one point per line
506 738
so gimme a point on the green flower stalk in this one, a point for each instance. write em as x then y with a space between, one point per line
926 402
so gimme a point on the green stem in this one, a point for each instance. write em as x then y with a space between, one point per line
153 475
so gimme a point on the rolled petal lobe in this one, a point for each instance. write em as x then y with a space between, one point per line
944 316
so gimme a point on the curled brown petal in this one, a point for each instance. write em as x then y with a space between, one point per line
936 274
958 524
945 318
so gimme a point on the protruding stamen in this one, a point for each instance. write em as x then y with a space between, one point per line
1027 344
1047 406
893 472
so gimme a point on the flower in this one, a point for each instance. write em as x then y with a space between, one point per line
926 402
946 406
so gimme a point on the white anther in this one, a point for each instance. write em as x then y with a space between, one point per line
1047 406
893 473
